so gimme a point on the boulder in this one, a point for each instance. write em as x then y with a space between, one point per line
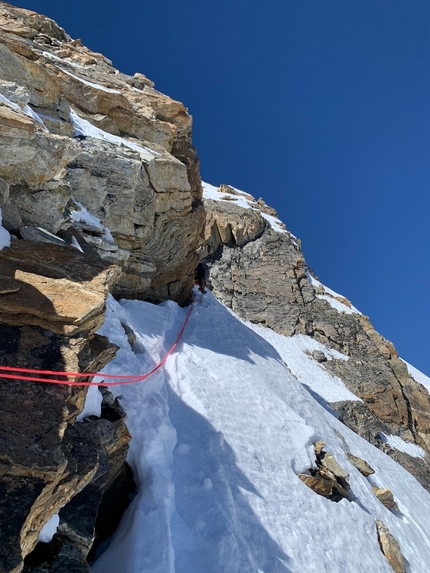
44 272
318 484
328 461
385 496
362 466
390 548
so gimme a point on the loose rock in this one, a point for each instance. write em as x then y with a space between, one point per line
390 548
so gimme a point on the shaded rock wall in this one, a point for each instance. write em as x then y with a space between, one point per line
48 317
264 278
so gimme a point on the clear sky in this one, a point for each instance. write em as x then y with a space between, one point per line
320 106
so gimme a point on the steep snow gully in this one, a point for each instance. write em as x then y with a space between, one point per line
219 435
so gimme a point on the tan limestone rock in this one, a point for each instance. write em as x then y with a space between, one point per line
362 466
27 153
328 461
385 496
40 82
51 271
229 224
318 484
159 205
390 548
318 447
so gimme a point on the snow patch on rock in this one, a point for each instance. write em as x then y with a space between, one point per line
4 235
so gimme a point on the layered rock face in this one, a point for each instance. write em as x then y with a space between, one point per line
52 302
75 132
259 271
95 161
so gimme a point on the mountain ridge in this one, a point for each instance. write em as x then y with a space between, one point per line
100 193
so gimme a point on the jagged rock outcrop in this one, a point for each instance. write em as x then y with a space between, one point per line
328 479
102 161
264 279
52 303
131 162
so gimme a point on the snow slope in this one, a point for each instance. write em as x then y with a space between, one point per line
219 435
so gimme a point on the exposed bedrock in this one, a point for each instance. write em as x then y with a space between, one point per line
130 163
262 275
52 302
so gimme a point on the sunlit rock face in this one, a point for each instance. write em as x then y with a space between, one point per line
259 271
107 140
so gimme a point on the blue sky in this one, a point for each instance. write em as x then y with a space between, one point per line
321 107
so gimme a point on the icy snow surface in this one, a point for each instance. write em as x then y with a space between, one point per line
212 192
87 129
332 300
418 375
219 435
295 352
397 442
4 235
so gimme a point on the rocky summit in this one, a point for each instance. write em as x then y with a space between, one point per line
100 194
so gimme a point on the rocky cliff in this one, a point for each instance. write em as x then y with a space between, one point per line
259 271
100 192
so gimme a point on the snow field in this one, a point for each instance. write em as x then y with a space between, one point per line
218 437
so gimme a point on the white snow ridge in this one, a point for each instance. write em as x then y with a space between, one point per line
219 435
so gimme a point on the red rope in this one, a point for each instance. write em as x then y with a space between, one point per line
123 379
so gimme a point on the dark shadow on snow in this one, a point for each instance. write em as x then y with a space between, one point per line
210 511
240 341
321 401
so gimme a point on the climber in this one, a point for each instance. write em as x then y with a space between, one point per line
201 277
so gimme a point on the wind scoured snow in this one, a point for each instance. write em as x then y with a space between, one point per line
212 192
4 234
219 435
87 129
87 83
84 216
296 352
418 375
334 303
333 298
406 447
